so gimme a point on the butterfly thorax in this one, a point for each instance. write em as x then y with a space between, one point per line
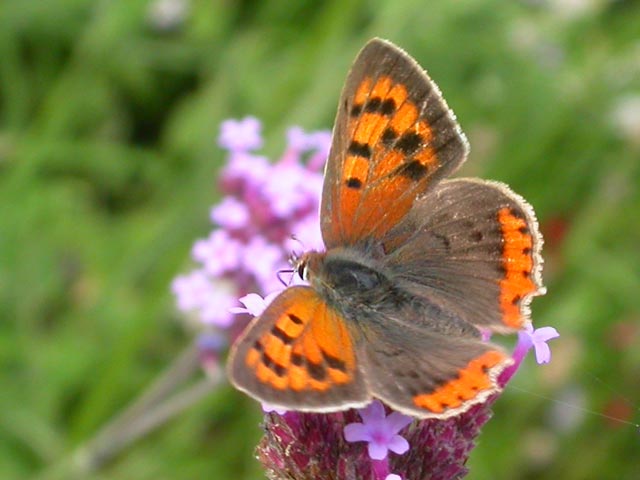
351 281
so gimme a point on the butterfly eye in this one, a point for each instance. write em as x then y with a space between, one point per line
302 270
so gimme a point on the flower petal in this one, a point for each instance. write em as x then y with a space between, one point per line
377 451
230 213
396 421
543 352
267 408
240 135
357 432
398 444
254 303
544 334
372 412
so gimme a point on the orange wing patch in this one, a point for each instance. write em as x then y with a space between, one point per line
394 137
471 380
387 155
518 265
308 348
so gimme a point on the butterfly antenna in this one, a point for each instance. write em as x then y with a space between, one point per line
296 239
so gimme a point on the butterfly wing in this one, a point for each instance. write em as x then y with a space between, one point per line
426 373
299 355
394 137
472 248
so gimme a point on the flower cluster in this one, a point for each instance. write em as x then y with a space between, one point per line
267 211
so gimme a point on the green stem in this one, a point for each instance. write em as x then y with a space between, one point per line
157 405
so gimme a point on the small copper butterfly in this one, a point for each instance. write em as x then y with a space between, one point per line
416 266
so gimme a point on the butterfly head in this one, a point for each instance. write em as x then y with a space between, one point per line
308 264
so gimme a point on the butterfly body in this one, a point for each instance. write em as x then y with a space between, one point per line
363 291
416 264
352 281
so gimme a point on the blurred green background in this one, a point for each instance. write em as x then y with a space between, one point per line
109 114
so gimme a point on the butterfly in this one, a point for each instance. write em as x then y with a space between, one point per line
416 265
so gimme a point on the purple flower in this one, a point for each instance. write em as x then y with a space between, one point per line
191 290
266 408
317 143
379 430
263 205
538 338
263 259
196 292
254 304
241 135
305 236
243 172
216 310
299 140
528 338
231 213
219 253
291 188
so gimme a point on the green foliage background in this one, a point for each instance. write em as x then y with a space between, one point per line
108 163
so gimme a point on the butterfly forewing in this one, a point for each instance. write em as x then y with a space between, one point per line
394 137
473 248
299 354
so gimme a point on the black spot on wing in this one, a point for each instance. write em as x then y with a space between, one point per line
297 359
284 337
295 319
334 362
373 105
388 107
272 365
444 240
476 236
354 183
317 371
409 143
376 105
413 170
360 149
389 136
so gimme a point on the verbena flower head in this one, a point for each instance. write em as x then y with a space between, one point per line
269 210
263 205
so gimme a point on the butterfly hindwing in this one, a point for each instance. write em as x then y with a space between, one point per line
299 354
428 374
472 247
394 137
